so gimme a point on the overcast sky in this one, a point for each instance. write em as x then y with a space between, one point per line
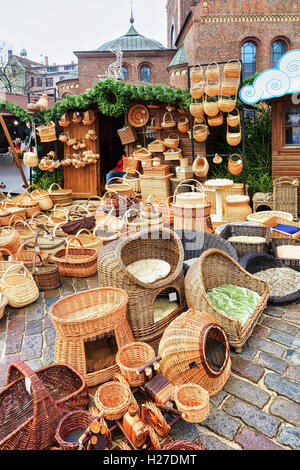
58 27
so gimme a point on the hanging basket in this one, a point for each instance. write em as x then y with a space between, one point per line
234 138
197 109
88 118
233 69
172 141
138 115
196 74
201 132
213 72
154 124
227 105
183 125
197 91
212 90
235 167
168 121
77 118
30 159
127 135
64 120
229 88
200 166
216 120
47 133
211 108
234 118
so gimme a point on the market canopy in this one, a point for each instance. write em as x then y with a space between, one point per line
275 82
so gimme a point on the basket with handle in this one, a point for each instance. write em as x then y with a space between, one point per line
76 261
197 73
130 163
210 108
216 120
212 72
113 400
212 90
234 118
87 239
23 228
127 135
9 239
76 118
46 241
30 419
285 194
197 109
156 146
47 132
20 289
183 125
229 88
201 132
233 69
133 178
88 117
235 167
26 202
41 196
142 154
5 216
59 214
6 261
200 166
131 357
234 138
197 90
26 256
59 195
193 401
227 105
13 209
124 188
168 120
172 141
195 198
46 276
77 420
134 222
64 120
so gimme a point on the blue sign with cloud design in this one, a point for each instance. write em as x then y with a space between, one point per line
276 82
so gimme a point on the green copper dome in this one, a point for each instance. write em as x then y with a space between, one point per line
132 41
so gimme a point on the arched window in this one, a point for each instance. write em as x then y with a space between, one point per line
125 73
278 49
172 37
249 59
145 74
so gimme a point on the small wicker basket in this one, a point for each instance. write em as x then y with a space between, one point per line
130 358
193 401
113 400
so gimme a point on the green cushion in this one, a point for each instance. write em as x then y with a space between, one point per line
236 302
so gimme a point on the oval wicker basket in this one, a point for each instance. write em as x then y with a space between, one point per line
20 289
183 125
41 196
200 166
26 256
197 91
168 120
124 188
196 73
64 120
113 400
131 357
213 72
172 141
87 239
75 262
200 132
233 69
212 90
78 420
235 167
211 108
229 88
9 239
195 337
59 195
196 110
193 401
26 202
234 138
46 276
216 120
226 104
234 118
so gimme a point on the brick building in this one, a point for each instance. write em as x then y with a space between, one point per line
144 60
258 31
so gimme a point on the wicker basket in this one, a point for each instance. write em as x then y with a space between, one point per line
277 233
234 138
183 125
237 208
130 358
216 121
193 197
243 248
89 117
160 244
127 135
262 216
113 400
172 154
9 239
47 133
26 202
26 256
285 195
160 186
172 141
138 115
197 91
197 109
226 105
124 188
156 146
193 401
130 163
133 179
213 72
212 90
233 69
60 196
200 166
20 289
87 239
235 167
73 421
46 276
76 262
168 121
234 118
23 228
230 88
42 197
211 108
200 132
55 390
287 262
64 120
13 209
142 154
3 303
196 73
216 268
192 338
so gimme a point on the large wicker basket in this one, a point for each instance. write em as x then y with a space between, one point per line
161 244
214 269
60 196
243 248
285 195
194 348
29 419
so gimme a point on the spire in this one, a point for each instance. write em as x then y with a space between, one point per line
131 18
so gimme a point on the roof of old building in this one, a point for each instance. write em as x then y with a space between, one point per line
179 58
132 41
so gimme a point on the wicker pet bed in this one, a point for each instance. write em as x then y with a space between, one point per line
216 268
243 248
256 262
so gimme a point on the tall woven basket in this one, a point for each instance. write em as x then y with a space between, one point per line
285 195
162 244
214 269
194 349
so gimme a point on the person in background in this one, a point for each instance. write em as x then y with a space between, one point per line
116 172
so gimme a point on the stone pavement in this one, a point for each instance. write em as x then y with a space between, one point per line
259 407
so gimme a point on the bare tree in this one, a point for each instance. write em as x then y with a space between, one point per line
13 76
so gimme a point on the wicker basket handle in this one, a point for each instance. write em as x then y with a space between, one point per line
20 190
116 178
185 183
130 172
83 230
54 184
125 216
39 231
4 197
2 250
21 248
169 116
16 267
27 195
56 227
74 210
37 255
20 221
70 244
16 218
33 185
173 133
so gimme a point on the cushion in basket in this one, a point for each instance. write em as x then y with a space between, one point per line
234 301
149 270
288 252
287 228
246 239
163 307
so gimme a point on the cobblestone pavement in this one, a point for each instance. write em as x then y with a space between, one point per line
259 407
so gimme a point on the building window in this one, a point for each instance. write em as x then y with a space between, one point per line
172 39
69 67
61 78
49 81
249 59
32 81
39 82
52 69
292 126
278 49
125 73
145 74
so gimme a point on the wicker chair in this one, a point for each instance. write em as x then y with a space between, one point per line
216 268
163 244
256 262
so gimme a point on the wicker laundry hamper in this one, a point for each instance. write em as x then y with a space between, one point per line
194 349
216 268
162 244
